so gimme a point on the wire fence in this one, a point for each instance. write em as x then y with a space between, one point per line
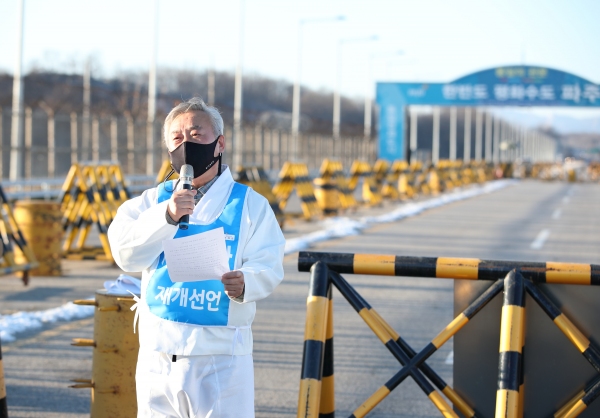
53 142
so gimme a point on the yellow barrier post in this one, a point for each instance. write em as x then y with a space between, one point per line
3 404
114 357
510 367
315 336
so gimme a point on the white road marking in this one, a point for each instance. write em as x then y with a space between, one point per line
566 199
450 358
539 241
556 214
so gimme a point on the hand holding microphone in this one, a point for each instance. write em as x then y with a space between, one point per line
182 202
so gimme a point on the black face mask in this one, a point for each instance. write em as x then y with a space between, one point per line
199 156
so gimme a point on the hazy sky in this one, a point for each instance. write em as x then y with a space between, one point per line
440 40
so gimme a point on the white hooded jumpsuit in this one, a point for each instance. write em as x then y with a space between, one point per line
195 355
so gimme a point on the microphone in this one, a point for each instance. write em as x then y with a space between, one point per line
186 174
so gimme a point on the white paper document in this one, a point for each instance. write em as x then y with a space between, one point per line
197 257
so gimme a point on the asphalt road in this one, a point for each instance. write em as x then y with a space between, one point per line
501 225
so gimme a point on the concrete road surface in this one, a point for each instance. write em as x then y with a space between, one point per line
503 225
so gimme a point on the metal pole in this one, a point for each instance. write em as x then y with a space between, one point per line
489 119
150 131
478 135
16 138
296 94
51 143
74 138
211 83
85 128
496 144
467 144
336 93
237 105
414 120
453 117
435 148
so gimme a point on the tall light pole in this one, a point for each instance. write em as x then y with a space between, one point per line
369 94
296 91
152 98
17 168
336 94
237 100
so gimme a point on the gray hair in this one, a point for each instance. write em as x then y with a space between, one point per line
195 104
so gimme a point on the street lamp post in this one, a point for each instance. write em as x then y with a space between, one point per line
336 94
150 128
296 91
237 100
16 140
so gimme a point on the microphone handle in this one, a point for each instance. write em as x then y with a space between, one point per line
185 219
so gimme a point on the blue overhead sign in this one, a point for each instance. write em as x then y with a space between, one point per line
502 86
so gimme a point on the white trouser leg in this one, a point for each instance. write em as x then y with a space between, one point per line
194 386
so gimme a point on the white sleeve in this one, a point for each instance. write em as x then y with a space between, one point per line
262 256
137 232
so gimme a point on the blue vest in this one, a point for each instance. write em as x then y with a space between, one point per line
203 302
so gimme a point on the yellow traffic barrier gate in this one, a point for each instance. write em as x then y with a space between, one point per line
390 188
11 236
115 349
255 177
295 176
513 278
370 192
328 193
90 195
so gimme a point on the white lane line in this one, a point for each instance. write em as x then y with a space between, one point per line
566 199
539 241
450 358
556 214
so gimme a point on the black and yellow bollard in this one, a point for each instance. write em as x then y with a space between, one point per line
510 367
315 336
114 358
3 405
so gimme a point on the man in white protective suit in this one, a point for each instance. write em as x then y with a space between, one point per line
195 356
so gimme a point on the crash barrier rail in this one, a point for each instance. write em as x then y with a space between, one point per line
114 358
316 396
91 195
11 236
3 404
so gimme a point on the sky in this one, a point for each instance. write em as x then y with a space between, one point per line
416 41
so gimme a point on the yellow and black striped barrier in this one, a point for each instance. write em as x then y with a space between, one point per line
255 177
452 268
3 404
11 235
509 402
511 276
91 194
316 395
295 176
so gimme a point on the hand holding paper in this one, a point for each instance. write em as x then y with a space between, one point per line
197 257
